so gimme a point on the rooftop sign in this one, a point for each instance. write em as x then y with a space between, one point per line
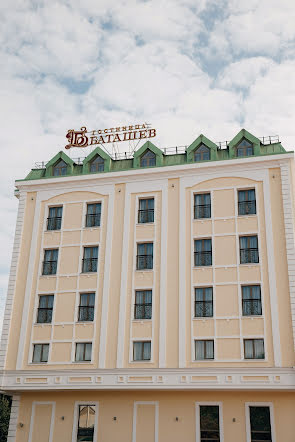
82 138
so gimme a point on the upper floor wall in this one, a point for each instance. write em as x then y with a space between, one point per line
173 333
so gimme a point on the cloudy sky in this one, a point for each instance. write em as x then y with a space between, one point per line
185 66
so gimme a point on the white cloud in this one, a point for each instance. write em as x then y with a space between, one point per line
144 61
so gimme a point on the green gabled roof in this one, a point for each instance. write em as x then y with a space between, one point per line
116 165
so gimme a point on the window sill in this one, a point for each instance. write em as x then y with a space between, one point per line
82 362
144 270
88 273
55 230
141 362
247 216
84 322
252 316
145 224
202 318
42 323
202 219
38 363
49 276
142 320
91 228
249 264
203 267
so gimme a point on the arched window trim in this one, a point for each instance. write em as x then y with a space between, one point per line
148 159
202 153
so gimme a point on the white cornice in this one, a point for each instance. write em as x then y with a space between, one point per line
160 172
150 379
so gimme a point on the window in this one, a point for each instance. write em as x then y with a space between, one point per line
60 168
54 218
204 349
202 153
148 159
142 351
203 302
144 259
86 307
86 423
249 249
251 300
90 259
40 353
45 308
143 304
203 252
146 211
244 149
93 215
247 202
260 424
202 207
83 352
50 262
254 348
97 165
209 423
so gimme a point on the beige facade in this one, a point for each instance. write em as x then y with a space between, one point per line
194 359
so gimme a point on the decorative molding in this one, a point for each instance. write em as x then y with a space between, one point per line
12 278
205 378
13 418
289 234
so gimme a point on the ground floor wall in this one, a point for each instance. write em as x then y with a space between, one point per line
147 416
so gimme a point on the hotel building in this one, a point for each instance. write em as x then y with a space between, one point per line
152 298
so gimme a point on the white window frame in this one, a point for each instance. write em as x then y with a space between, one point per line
271 413
198 426
76 419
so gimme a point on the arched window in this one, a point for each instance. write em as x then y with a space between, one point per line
97 165
202 153
148 159
60 168
244 149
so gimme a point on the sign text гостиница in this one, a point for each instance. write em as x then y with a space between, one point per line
82 138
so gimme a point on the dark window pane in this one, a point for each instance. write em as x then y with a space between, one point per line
54 218
251 300
40 353
202 206
203 302
93 215
97 165
260 424
60 168
254 348
249 249
247 202
146 211
50 262
143 304
144 258
244 149
89 262
45 308
148 159
142 351
209 423
86 307
202 153
203 252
